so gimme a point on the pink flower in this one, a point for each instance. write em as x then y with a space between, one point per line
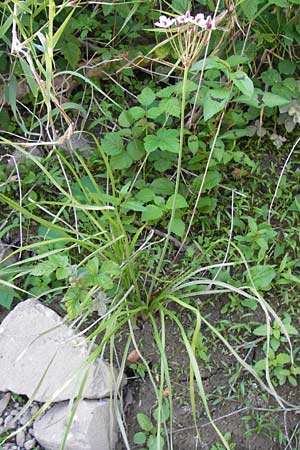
164 22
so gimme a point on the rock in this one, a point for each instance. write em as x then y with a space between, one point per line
19 158
4 401
77 142
9 422
20 438
92 428
40 357
30 444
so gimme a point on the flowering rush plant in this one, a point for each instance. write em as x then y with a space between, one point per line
187 34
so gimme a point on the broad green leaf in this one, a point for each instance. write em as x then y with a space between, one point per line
164 412
180 6
132 205
6 296
151 212
260 331
139 438
272 100
262 99
146 97
215 101
130 116
193 144
70 48
212 62
242 82
283 358
236 60
144 422
170 106
165 140
43 269
92 266
281 3
112 143
162 186
145 195
151 143
110 267
262 276
179 204
168 140
135 150
287 67
178 227
121 161
249 8
63 272
213 178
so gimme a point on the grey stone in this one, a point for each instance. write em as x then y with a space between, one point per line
93 426
25 417
41 357
19 158
13 412
29 444
20 438
9 422
1 420
4 401
77 142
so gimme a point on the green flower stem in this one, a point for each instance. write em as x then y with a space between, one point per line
162 256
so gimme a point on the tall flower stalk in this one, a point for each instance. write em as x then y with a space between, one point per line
187 35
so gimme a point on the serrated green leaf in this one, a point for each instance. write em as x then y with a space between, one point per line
70 48
179 204
283 358
121 161
151 143
63 272
92 266
260 331
162 186
44 269
145 195
146 97
262 276
132 205
112 143
151 213
168 140
170 106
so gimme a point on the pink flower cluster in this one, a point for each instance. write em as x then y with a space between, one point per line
199 20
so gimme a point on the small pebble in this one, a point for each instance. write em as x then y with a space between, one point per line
34 409
4 402
14 412
29 444
9 422
20 438
26 416
1 420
